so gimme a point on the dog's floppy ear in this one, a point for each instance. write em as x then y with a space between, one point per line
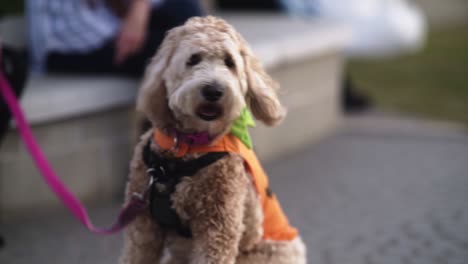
262 90
152 97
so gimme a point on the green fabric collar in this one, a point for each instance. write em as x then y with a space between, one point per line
240 127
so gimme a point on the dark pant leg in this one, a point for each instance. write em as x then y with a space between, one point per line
170 14
95 62
14 68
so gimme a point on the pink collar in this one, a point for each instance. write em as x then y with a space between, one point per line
193 139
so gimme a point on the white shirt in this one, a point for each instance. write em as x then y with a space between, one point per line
68 26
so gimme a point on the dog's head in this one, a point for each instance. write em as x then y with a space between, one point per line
202 77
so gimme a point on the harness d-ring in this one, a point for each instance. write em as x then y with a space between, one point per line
175 147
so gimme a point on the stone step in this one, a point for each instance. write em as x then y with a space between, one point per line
87 134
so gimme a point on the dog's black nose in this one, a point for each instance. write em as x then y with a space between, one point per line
212 92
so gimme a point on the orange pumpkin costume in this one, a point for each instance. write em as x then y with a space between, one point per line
275 224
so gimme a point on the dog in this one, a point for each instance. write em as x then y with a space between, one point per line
209 200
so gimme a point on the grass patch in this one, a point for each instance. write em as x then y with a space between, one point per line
432 83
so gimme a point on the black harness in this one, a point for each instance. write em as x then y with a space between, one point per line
165 173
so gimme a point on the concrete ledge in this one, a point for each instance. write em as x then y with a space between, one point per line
90 154
57 97
311 93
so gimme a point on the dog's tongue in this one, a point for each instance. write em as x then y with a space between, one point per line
209 111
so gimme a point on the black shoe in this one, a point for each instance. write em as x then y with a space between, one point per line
352 100
14 66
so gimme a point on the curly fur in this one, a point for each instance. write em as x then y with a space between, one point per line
219 203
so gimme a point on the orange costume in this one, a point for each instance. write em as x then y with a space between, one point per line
275 224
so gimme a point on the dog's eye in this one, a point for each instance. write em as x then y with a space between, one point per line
194 59
229 61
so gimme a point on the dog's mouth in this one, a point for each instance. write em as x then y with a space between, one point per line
209 112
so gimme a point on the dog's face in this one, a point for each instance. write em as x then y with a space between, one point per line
205 82
202 77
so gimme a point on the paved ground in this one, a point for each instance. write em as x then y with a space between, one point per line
381 190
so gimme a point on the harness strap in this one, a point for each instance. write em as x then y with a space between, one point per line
179 166
165 173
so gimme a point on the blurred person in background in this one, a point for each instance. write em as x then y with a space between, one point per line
101 36
379 28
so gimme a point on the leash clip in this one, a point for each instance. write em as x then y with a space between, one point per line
144 195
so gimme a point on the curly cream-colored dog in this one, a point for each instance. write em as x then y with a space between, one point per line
208 197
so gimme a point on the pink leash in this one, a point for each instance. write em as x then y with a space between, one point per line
126 215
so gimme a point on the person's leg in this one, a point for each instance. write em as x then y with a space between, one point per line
94 62
14 66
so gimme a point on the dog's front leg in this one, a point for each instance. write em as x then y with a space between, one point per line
216 211
143 241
